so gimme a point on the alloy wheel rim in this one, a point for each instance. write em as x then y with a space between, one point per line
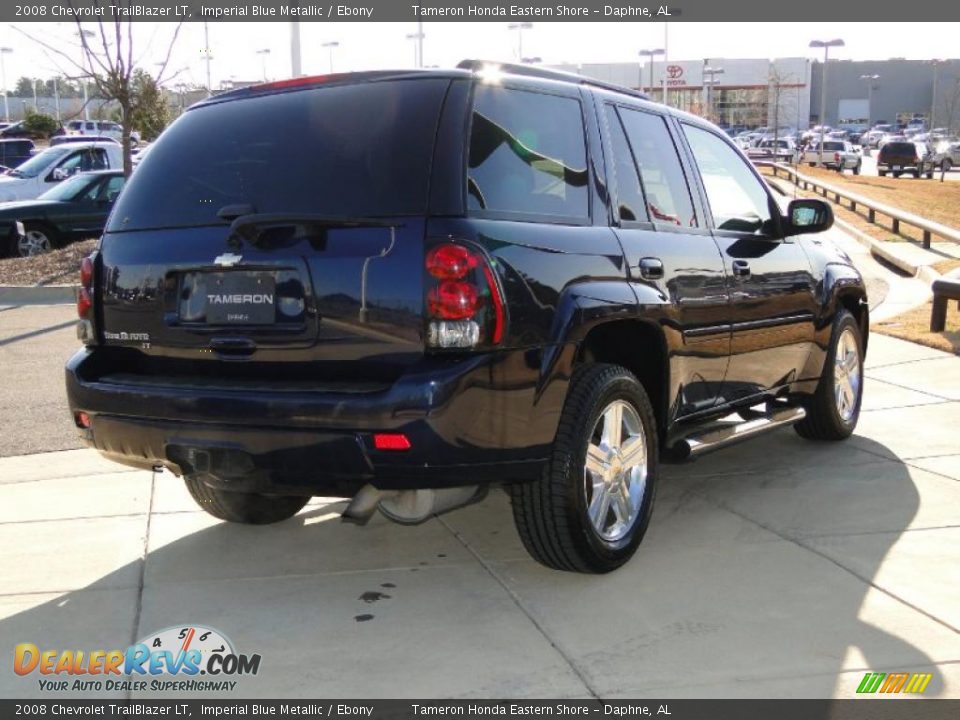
846 375
33 243
615 471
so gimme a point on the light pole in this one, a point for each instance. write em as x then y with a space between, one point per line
82 34
650 54
3 78
870 80
712 72
520 27
330 45
418 46
56 98
933 100
826 45
207 56
263 52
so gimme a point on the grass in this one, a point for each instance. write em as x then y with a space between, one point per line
914 326
53 268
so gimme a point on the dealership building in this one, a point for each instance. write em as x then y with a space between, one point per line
786 92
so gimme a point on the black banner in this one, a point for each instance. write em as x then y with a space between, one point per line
860 709
476 11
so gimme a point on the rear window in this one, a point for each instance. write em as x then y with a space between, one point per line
898 148
360 150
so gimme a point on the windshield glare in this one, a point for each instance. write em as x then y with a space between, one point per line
40 162
67 189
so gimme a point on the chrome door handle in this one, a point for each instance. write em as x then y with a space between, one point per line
651 268
741 268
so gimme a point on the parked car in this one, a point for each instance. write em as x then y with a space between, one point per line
16 130
100 128
529 279
75 209
947 154
45 169
837 155
782 150
14 151
898 157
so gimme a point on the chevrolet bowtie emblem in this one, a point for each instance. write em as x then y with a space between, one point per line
227 260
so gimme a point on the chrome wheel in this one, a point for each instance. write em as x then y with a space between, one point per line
847 375
615 471
33 242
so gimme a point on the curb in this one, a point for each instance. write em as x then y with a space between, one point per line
38 295
880 249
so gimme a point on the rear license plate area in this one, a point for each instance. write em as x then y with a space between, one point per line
241 298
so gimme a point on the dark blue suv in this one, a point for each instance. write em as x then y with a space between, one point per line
404 288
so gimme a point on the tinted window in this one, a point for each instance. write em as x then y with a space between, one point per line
527 154
738 200
628 191
664 184
359 150
898 148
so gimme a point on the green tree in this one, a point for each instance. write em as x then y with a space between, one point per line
39 124
24 87
152 113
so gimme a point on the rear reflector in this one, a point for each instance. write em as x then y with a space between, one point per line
82 420
391 441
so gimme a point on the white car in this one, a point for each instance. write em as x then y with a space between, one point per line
45 169
100 128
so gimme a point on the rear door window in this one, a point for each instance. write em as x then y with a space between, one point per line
629 193
664 184
527 155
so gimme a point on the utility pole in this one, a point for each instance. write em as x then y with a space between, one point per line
330 46
650 54
520 27
295 66
665 49
207 56
826 45
870 80
933 100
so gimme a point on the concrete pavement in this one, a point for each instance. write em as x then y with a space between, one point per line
776 568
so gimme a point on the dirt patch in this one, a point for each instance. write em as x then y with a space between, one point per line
60 267
915 327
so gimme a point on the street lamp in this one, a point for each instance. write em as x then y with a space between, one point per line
263 52
826 45
650 55
330 45
712 72
870 80
83 63
418 46
933 100
520 27
3 79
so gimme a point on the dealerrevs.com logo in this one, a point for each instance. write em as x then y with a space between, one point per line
181 658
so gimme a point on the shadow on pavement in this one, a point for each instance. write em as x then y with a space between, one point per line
735 592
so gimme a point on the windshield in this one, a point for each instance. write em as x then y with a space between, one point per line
67 189
361 150
40 162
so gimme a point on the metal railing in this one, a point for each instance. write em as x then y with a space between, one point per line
929 228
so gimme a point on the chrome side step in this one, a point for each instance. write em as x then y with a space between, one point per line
720 435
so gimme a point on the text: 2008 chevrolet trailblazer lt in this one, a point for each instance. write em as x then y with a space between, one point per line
404 287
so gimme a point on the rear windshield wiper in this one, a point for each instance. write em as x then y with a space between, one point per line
252 226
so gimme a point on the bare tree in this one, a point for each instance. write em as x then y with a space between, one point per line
951 106
780 107
108 63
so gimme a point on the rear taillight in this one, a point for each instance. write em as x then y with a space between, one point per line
464 305
836 157
85 301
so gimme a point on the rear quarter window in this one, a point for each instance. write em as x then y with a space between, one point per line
527 155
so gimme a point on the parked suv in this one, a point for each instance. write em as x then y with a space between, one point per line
899 157
504 276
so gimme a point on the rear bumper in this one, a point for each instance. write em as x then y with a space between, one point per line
479 419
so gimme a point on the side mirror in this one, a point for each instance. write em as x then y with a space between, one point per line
808 216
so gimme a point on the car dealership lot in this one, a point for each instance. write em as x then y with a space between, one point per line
778 567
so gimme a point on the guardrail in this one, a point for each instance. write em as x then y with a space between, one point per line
873 208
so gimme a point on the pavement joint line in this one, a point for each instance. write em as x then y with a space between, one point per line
905 387
906 407
800 544
876 532
67 591
948 356
62 477
514 596
36 521
138 608
34 333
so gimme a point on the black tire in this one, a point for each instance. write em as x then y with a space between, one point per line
238 507
916 174
856 169
824 420
946 164
551 513
896 174
41 229
882 173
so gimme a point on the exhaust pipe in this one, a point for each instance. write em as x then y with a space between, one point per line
409 507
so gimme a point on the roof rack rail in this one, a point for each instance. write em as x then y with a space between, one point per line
549 74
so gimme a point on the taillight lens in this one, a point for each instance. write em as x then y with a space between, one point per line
86 272
84 303
85 332
464 306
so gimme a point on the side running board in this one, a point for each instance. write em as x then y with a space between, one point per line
720 435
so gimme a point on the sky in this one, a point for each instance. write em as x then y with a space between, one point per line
365 46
